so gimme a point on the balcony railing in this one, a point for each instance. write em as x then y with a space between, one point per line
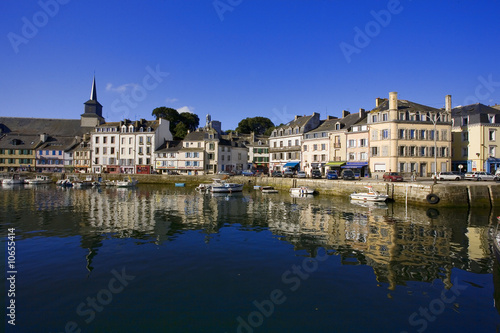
337 145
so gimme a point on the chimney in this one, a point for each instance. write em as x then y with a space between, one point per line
345 113
44 137
378 101
362 113
393 100
448 103
331 117
297 117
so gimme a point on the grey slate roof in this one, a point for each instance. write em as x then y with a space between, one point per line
37 126
477 113
404 105
19 141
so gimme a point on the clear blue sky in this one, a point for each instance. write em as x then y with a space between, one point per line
244 58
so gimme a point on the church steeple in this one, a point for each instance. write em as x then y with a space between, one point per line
93 93
92 115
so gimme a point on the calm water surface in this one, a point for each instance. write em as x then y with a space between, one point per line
165 259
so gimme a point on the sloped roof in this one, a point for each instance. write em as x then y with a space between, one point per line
299 122
404 105
169 147
477 113
59 143
19 141
37 126
330 125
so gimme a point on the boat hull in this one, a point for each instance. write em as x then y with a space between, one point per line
369 197
227 188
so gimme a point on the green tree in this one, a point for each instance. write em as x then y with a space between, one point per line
180 123
258 125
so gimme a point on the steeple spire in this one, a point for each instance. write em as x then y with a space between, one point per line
93 93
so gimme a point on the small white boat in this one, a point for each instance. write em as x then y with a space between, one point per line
268 189
370 204
126 182
64 183
204 187
39 180
14 179
371 195
301 190
220 186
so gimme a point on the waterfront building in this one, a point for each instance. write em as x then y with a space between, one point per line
285 142
191 155
258 152
166 157
54 154
128 146
338 140
476 138
82 156
18 152
409 137
316 146
357 146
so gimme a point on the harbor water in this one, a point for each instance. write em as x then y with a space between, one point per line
159 258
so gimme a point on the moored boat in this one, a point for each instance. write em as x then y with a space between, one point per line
302 190
221 186
268 189
14 179
38 180
126 182
371 195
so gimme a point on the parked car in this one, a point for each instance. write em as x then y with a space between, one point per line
224 173
332 174
480 175
392 177
449 175
301 174
276 174
288 172
348 174
248 173
316 173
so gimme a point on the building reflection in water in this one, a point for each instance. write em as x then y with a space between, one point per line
400 243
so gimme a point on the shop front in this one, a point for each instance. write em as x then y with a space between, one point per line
143 169
360 169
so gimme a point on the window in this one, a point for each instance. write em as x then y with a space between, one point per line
305 148
385 134
315 147
363 142
123 141
148 140
97 150
229 157
323 158
423 151
148 150
323 146
491 151
112 150
374 151
465 136
352 156
112 139
129 141
195 155
465 121
384 117
315 158
104 139
130 151
465 152
140 160
351 143
402 134
413 151
141 140
187 155
281 143
401 150
96 139
363 156
104 150
297 142
289 143
374 119
140 152
412 134
123 151
491 135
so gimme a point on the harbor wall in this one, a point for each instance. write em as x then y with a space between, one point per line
473 194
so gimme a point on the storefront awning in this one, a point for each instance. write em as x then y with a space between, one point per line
291 164
355 165
335 164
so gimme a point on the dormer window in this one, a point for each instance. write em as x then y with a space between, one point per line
131 129
149 129
337 126
141 129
